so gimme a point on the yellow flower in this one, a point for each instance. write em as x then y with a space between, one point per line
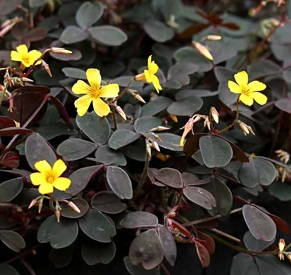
149 75
24 56
94 92
49 178
248 91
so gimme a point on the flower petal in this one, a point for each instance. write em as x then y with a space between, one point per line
241 78
34 55
100 107
59 168
233 87
149 61
110 90
15 56
156 83
22 49
62 184
42 166
153 67
82 104
148 76
256 86
260 98
247 100
81 88
45 188
94 78
37 178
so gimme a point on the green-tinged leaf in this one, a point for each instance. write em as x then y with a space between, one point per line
170 177
81 177
185 107
280 190
37 149
12 239
224 74
263 68
144 124
108 156
183 94
287 75
97 226
56 129
200 196
158 31
156 106
58 234
95 253
8 270
10 189
136 150
181 69
138 269
61 257
147 250
221 51
257 171
119 182
222 195
284 104
107 202
37 3
88 14
75 148
74 73
215 151
69 212
139 219
260 224
170 141
92 127
7 7
121 138
73 34
108 35
253 244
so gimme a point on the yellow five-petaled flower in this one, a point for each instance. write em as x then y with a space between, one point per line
49 177
248 91
26 57
94 92
149 75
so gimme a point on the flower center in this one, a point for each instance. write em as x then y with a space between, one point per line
94 93
50 177
246 91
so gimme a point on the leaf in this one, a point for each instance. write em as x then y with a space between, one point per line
280 190
10 189
284 104
88 14
200 196
210 243
287 75
138 269
156 106
37 149
6 122
222 195
185 107
169 245
260 225
147 249
81 177
108 35
12 239
61 257
253 244
139 219
97 226
263 68
250 174
180 69
144 124
107 202
170 141
95 253
136 150
73 34
170 177
11 131
203 254
224 74
74 148
121 138
37 3
74 72
215 151
7 269
158 31
108 156
68 212
183 94
58 234
97 131
119 182
7 7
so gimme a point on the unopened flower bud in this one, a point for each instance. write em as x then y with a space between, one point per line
25 79
214 114
213 37
140 77
60 50
203 50
149 149
58 214
207 123
32 203
74 206
155 146
246 129
46 67
157 137
136 95
39 206
281 245
173 117
121 112
160 128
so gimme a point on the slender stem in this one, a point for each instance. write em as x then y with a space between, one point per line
28 267
124 91
114 117
226 235
211 218
2 95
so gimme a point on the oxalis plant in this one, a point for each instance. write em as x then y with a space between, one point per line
145 137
